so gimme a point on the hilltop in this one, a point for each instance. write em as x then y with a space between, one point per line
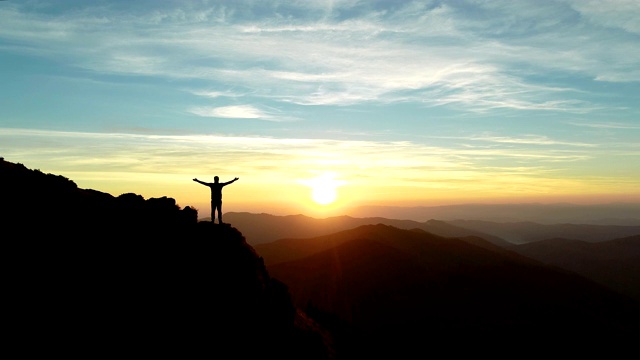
97 274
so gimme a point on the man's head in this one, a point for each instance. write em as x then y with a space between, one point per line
216 179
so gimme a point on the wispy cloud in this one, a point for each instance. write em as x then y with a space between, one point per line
232 112
528 140
126 162
621 14
215 94
607 125
445 55
173 153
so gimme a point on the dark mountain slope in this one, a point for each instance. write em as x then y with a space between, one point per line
445 229
614 263
396 286
284 250
97 274
213 295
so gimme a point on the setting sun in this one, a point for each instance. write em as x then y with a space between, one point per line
323 195
323 188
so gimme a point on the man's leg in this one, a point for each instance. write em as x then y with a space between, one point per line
219 207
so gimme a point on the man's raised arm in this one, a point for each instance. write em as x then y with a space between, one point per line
201 182
230 181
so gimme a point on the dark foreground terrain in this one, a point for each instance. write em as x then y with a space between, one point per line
97 275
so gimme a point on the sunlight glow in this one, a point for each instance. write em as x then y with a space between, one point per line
324 195
323 187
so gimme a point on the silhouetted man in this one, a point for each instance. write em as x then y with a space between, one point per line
216 196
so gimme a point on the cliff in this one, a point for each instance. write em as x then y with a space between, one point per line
97 274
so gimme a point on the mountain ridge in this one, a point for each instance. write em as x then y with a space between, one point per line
264 228
111 275
418 282
614 263
615 213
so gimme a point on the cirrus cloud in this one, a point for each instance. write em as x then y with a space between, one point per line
233 112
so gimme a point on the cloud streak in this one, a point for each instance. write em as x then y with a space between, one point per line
182 154
232 112
331 61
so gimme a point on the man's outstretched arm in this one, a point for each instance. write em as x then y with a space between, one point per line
201 182
230 181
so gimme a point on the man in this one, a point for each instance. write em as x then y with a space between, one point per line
216 196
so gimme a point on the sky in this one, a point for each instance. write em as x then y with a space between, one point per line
321 106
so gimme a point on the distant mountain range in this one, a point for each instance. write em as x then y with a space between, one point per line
264 228
614 263
400 287
608 254
527 232
595 214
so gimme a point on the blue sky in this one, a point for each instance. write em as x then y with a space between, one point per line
391 102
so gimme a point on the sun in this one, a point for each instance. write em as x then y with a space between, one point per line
323 194
324 188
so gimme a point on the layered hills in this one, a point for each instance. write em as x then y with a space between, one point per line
607 254
614 263
265 228
410 289
558 213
